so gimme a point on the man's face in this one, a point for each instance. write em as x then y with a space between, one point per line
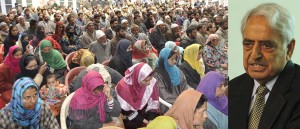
115 24
162 27
121 33
265 55
57 17
125 24
90 28
22 20
203 30
27 13
97 20
194 34
135 30
72 20
225 26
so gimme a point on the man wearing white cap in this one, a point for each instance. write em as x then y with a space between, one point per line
174 33
158 35
124 25
101 47
168 21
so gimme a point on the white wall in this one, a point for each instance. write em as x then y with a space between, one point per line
237 9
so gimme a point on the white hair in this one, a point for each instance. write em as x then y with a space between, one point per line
278 17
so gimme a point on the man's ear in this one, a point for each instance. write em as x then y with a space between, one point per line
290 48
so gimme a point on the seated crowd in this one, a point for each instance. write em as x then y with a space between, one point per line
145 66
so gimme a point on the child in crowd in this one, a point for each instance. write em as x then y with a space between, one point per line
54 94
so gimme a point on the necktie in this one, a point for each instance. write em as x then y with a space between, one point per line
258 107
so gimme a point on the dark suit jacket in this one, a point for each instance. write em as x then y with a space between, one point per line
282 109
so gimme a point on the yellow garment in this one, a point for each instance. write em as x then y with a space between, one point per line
190 55
87 58
162 122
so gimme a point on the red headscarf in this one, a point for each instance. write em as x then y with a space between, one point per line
137 53
58 35
130 89
84 99
11 61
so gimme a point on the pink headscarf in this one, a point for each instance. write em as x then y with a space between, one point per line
130 89
11 61
84 98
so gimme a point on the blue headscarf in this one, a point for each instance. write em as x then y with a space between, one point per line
173 71
23 116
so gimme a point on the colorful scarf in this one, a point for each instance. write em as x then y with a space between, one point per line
130 89
184 108
190 55
208 86
173 71
11 61
84 99
53 58
23 116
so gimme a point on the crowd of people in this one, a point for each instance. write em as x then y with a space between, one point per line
132 57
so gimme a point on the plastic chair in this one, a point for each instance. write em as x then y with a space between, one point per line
72 73
165 103
69 59
64 111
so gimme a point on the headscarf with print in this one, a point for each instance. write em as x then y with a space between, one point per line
184 108
24 117
11 61
83 57
208 86
84 99
53 58
123 54
131 90
190 55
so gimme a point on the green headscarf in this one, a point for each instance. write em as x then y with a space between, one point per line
53 58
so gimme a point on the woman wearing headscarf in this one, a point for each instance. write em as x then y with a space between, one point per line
26 109
93 103
8 69
123 58
23 42
53 58
189 110
138 96
213 87
214 58
40 35
193 67
171 80
11 39
82 57
109 75
141 53
31 66
59 31
70 42
177 49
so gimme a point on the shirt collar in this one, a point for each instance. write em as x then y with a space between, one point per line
269 85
